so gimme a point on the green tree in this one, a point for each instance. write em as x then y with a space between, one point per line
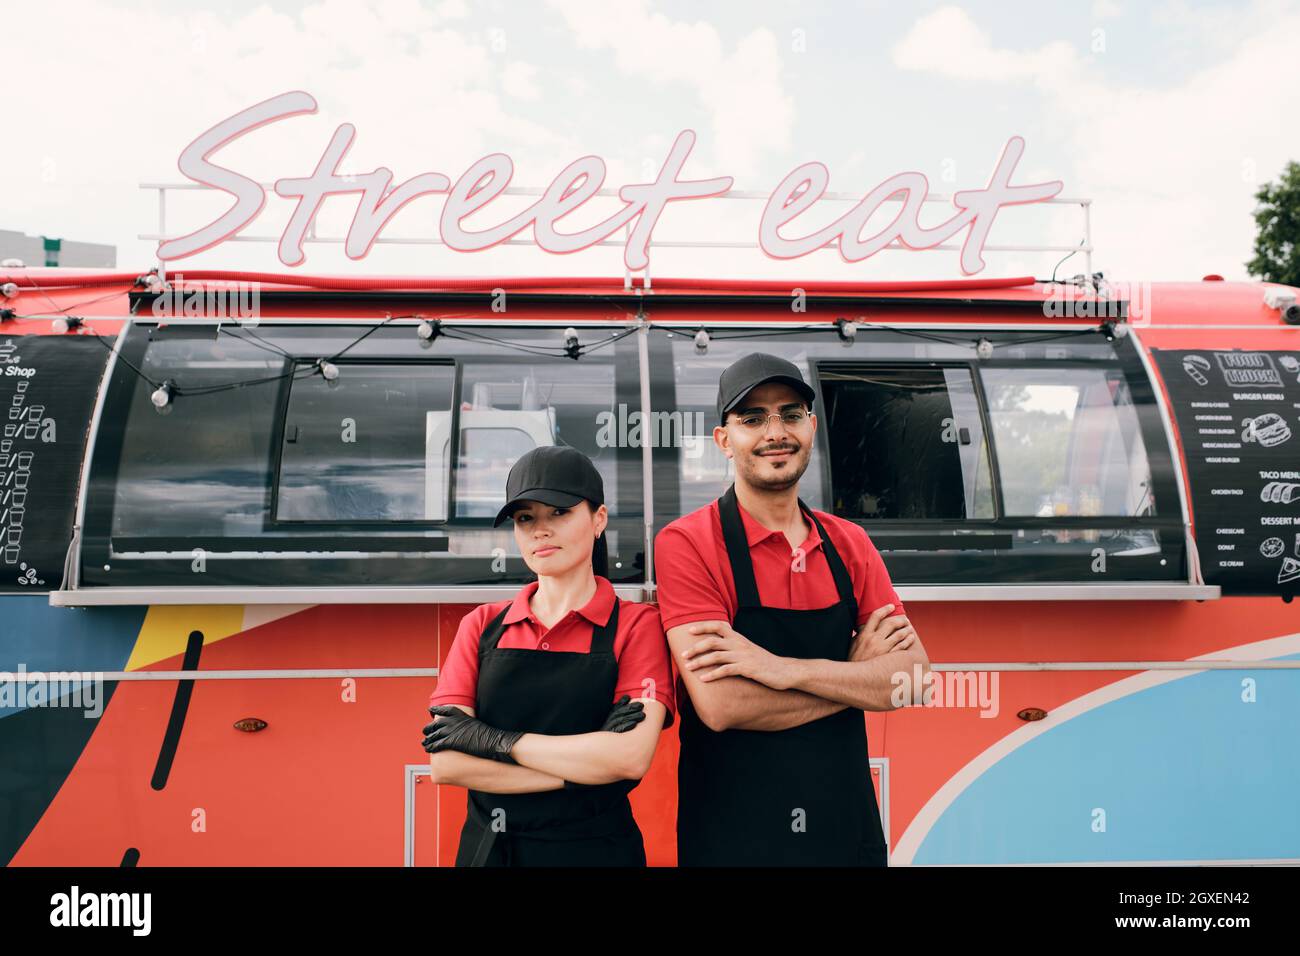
1277 245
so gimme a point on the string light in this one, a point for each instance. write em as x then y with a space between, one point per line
847 330
163 396
9 289
65 322
428 331
984 349
571 342
1114 330
702 340
328 370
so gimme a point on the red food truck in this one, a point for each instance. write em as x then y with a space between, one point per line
219 630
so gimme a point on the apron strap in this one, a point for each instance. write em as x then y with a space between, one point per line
492 633
602 636
843 580
742 565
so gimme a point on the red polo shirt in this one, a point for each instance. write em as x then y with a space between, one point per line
639 645
693 573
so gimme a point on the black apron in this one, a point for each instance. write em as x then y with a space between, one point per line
795 797
550 692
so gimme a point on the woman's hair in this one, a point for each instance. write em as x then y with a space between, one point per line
600 557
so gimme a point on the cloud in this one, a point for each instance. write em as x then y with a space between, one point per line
1172 169
520 81
949 43
422 96
741 88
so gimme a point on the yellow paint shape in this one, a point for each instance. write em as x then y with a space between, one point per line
166 630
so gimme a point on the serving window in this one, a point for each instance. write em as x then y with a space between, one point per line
1045 463
261 472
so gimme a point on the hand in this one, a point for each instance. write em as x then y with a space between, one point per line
880 635
731 654
627 713
453 729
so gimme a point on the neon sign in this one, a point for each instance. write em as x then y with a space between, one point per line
643 203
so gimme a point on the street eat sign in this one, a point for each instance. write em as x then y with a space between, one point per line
643 203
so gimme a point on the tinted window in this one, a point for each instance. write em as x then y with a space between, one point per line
389 475
906 442
203 465
362 447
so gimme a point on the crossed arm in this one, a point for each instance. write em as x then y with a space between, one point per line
736 685
545 762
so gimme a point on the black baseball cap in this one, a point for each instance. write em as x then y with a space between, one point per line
742 376
557 475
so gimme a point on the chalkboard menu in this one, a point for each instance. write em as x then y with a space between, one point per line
48 385
1238 412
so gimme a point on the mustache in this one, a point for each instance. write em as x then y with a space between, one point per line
783 447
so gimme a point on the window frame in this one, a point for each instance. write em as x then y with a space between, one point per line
281 421
348 541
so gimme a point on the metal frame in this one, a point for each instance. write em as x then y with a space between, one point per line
72 596
1175 459
1085 246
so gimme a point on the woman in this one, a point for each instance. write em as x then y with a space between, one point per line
550 705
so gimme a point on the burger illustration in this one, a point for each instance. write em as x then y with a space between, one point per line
1268 429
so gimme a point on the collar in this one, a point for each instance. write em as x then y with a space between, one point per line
597 610
755 532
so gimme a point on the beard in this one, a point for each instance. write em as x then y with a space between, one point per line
758 474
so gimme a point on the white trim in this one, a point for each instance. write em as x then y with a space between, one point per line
1059 592
1194 573
111 596
248 674
72 568
1194 664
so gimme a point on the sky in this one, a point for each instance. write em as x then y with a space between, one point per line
1167 115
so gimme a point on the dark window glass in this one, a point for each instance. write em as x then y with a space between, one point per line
202 467
367 446
371 481
906 442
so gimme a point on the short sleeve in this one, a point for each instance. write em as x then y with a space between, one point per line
458 675
685 586
644 661
875 589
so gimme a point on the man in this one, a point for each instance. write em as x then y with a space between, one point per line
780 623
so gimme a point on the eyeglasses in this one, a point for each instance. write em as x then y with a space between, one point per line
790 418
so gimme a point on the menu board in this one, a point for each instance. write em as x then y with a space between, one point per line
48 385
1238 412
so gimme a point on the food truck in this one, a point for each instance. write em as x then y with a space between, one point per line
237 546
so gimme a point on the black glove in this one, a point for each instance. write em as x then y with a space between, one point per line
456 730
625 715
